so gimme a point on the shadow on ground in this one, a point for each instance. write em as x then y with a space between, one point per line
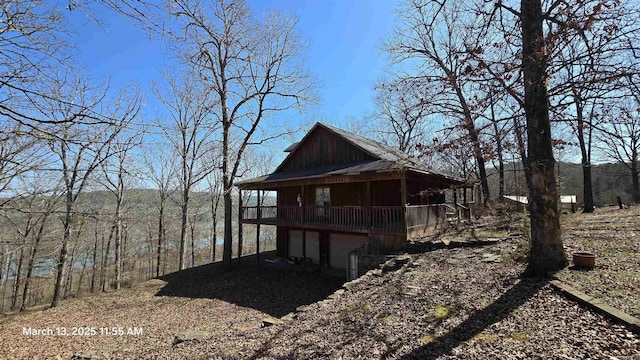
275 290
480 320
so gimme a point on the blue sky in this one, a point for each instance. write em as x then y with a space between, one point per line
343 53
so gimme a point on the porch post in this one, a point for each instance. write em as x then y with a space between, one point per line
258 216
304 246
239 225
368 204
403 198
304 205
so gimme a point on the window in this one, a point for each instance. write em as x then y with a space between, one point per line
323 201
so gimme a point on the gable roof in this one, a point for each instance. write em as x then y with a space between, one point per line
385 159
374 149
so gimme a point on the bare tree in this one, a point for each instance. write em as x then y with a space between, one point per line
161 170
401 119
590 43
116 169
190 134
252 67
27 213
619 134
79 149
214 190
439 37
32 45
547 253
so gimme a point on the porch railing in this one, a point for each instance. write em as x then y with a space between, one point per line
352 218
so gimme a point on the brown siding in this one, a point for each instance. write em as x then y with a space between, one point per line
322 148
383 193
288 196
349 194
386 193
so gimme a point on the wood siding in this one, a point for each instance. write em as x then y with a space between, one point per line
322 148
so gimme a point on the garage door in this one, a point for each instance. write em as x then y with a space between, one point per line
313 246
295 243
339 247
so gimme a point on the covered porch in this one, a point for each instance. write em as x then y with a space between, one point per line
357 219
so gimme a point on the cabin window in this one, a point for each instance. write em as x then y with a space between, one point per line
323 201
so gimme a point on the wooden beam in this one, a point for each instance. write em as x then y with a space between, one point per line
403 198
304 245
368 199
239 225
258 216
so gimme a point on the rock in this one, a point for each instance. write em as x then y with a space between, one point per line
325 302
376 272
351 284
268 321
336 294
303 308
487 257
190 335
395 263
90 355
248 328
289 317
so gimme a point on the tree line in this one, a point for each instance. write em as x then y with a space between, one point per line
64 136
469 84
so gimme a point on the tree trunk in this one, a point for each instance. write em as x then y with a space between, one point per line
64 251
215 201
193 243
160 235
105 260
498 137
118 249
6 278
82 273
475 142
481 165
18 278
547 253
228 242
215 241
587 187
239 226
183 228
634 179
32 261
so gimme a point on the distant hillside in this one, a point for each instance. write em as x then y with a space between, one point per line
609 180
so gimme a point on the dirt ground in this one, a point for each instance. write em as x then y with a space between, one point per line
466 302
613 235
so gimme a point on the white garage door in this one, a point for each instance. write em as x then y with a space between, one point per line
339 247
295 243
313 246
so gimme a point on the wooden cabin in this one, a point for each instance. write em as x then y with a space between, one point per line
337 191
